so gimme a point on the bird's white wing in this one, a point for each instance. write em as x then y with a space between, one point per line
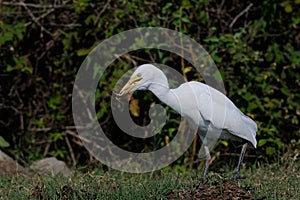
215 107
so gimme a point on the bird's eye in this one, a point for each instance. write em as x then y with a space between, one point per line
139 75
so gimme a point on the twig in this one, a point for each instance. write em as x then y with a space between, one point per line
253 31
45 129
45 14
100 13
128 57
219 9
237 155
78 136
82 96
47 147
139 58
273 34
74 127
240 14
18 13
31 5
39 129
34 18
70 150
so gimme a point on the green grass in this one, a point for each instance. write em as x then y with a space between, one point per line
274 181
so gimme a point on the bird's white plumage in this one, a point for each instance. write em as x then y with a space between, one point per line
201 103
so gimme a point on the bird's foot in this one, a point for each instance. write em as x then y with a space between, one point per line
200 185
235 177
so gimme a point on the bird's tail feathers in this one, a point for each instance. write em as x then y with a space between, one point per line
252 126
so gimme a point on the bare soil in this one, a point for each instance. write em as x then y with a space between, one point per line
227 190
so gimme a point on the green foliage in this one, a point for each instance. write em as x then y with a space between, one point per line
259 80
3 142
10 36
11 33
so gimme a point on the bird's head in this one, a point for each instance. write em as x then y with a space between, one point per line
139 80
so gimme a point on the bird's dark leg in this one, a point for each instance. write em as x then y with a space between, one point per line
236 175
208 157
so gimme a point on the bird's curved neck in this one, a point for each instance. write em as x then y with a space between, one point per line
161 89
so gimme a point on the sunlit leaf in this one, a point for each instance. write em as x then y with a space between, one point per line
3 142
134 107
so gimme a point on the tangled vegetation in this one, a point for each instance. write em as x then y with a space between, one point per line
43 43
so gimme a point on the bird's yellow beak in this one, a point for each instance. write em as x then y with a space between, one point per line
130 85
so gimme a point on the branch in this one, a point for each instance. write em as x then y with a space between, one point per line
35 19
31 5
100 13
70 150
240 14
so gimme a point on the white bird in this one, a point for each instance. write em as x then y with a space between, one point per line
201 104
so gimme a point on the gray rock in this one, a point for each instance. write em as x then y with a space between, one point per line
8 166
50 166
